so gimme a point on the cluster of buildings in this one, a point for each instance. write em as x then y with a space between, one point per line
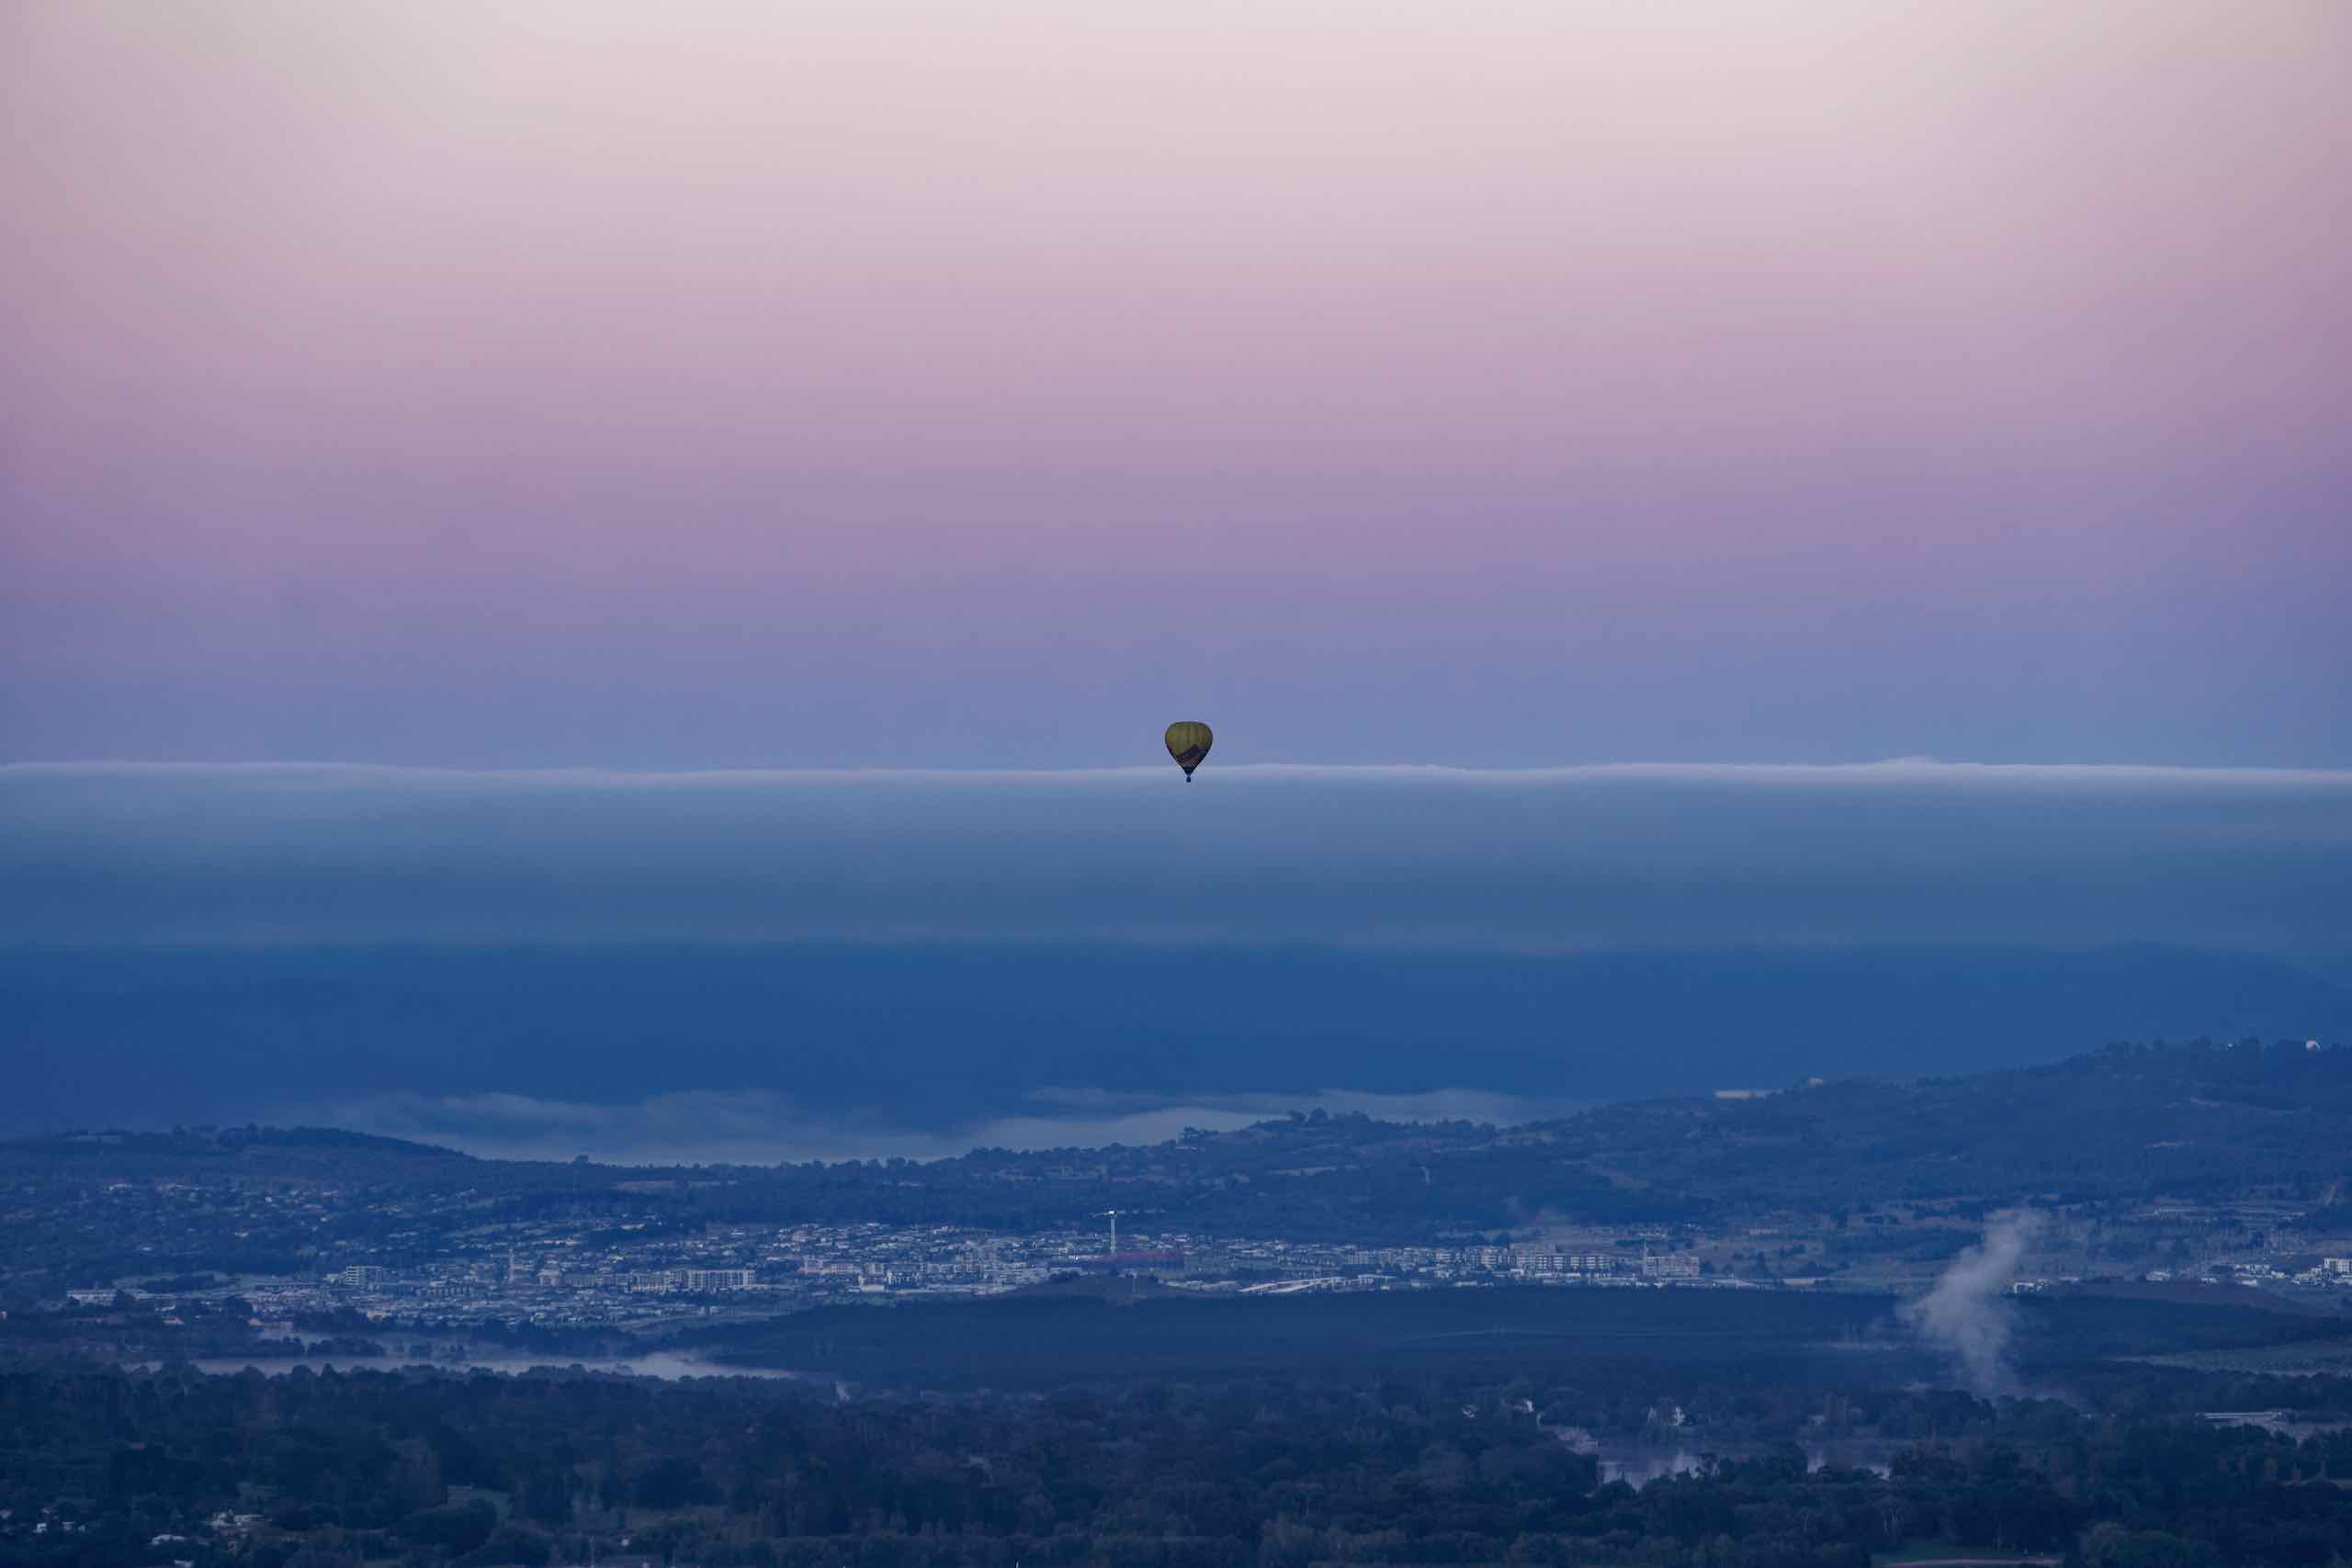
455 1260
549 1278
2327 1273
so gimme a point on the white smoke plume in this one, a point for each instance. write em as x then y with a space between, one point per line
1966 1312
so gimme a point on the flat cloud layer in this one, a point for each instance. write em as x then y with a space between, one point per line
1905 851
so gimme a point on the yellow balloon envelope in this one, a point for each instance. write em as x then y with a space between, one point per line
1188 742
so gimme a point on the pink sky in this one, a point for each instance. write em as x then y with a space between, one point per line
594 382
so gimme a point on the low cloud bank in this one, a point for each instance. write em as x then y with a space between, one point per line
1911 851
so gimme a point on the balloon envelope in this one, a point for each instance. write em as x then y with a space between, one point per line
1188 742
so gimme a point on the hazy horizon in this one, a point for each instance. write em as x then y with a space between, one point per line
786 965
2246 860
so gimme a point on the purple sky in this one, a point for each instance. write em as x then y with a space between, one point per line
938 383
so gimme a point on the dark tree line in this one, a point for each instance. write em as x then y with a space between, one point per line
441 1471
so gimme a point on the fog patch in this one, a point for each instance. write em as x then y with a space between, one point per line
759 1127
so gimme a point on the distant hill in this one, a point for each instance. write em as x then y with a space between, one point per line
934 1040
327 1148
2107 1131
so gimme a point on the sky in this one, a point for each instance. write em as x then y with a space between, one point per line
936 384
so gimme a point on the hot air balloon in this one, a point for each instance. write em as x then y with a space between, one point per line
1188 742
